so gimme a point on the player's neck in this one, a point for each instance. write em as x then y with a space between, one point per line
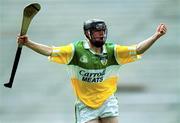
97 50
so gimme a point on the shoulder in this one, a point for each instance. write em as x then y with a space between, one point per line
110 46
77 43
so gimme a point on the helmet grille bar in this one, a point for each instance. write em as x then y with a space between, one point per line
94 25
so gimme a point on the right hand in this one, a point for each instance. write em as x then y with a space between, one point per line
22 40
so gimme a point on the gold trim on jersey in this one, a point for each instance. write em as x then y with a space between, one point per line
126 54
62 54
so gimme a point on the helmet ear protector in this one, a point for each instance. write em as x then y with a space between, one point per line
95 25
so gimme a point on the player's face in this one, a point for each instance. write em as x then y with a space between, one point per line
97 38
98 35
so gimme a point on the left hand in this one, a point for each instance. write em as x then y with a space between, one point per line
161 30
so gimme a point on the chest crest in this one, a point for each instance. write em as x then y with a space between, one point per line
83 59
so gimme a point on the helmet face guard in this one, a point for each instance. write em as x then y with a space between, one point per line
95 25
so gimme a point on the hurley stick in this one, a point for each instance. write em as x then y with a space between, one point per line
29 12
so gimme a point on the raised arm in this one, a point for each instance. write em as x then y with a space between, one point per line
146 44
39 48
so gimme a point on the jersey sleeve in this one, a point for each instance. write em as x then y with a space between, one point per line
62 54
126 54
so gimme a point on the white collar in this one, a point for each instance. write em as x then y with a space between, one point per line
86 46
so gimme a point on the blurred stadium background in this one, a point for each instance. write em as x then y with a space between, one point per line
149 90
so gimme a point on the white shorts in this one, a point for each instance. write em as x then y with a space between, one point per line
84 114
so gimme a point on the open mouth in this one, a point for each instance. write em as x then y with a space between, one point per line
99 38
